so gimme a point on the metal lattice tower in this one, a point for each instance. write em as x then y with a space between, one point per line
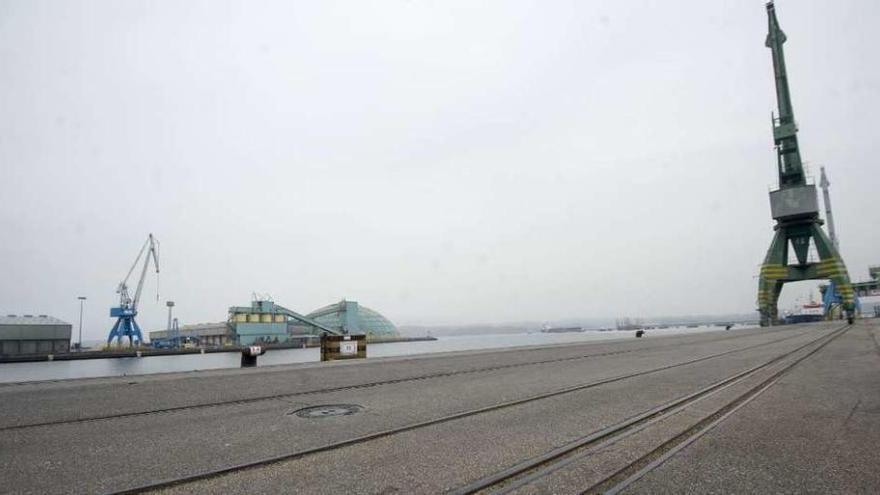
794 206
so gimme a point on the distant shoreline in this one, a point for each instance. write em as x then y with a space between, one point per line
150 352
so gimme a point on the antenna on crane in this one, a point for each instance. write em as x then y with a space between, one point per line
125 325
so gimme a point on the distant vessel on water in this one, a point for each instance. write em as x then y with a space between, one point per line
811 311
630 324
549 329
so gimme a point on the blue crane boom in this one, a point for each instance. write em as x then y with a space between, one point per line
125 325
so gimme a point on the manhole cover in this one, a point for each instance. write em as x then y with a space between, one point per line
328 410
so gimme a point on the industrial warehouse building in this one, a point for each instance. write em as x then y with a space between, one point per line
207 334
267 322
264 322
868 292
353 318
29 334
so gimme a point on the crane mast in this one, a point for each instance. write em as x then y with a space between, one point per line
125 313
788 155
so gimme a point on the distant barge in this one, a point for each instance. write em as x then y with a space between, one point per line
562 329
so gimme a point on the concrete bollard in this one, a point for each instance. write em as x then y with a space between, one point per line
249 356
639 333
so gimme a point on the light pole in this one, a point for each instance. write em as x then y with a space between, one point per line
170 305
81 301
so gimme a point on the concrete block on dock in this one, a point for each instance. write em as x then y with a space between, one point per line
249 355
335 347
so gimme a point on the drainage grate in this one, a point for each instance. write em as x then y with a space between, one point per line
327 411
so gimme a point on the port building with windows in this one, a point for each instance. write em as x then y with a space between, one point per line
351 317
265 322
206 334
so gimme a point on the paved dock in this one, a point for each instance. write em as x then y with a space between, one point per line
792 409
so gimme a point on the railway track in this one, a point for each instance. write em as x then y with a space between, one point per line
213 473
540 467
427 376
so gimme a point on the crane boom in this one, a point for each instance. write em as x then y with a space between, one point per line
150 252
133 265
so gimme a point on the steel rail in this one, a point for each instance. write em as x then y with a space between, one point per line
213 473
540 466
625 477
444 374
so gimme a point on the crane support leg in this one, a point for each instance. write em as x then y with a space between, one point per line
775 272
125 326
114 332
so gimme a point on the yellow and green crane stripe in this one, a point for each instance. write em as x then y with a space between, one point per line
831 267
773 272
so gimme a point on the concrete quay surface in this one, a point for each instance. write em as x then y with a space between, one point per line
792 409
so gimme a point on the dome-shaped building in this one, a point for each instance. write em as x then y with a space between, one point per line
353 318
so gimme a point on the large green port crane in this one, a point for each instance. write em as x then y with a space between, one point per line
794 206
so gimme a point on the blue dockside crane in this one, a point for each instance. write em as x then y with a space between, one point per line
125 325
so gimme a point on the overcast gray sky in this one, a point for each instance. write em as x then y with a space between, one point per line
442 162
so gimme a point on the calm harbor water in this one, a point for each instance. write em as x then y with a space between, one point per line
90 368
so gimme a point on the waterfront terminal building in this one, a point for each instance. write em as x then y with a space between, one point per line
264 322
351 317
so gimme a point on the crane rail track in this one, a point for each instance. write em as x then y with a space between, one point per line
428 376
213 473
647 463
539 467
